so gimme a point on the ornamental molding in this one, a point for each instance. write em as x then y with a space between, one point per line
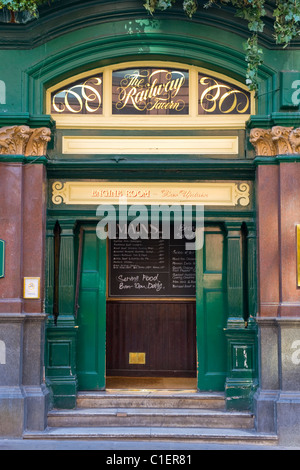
148 193
276 141
22 140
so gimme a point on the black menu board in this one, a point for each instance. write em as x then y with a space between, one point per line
151 268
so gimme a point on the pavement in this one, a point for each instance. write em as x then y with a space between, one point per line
143 447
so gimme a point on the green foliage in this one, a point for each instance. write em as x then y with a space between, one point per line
254 58
286 22
152 5
286 25
21 5
287 18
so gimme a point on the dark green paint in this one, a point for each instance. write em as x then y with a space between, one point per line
240 331
288 87
242 374
91 347
74 37
211 311
60 364
61 336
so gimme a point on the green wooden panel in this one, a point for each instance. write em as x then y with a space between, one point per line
211 312
92 313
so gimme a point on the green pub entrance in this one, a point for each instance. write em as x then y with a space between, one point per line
143 308
163 322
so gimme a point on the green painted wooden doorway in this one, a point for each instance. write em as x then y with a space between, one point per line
91 341
210 312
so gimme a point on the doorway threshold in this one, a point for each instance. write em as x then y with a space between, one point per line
151 383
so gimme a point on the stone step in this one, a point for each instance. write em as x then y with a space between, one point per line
166 434
158 417
151 399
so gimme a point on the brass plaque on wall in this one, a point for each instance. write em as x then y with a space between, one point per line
137 358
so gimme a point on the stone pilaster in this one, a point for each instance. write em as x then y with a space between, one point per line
277 401
23 394
241 378
61 336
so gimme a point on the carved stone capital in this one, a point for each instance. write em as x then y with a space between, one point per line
37 144
261 139
280 137
294 139
279 140
21 140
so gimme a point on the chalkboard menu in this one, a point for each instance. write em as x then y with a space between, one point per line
151 268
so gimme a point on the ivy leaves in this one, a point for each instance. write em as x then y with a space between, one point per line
286 25
20 5
287 18
286 22
254 58
152 5
189 6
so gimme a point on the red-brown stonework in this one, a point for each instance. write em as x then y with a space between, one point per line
34 219
268 239
22 215
278 202
289 217
11 216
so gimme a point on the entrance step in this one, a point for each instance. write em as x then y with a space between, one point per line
167 434
151 399
175 417
161 415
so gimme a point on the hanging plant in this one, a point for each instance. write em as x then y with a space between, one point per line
31 6
286 25
286 22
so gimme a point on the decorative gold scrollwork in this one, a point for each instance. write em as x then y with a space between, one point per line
58 192
222 98
86 98
241 194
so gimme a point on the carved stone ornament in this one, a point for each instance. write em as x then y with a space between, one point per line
276 141
21 140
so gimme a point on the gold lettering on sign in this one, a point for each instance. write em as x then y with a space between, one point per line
211 194
149 90
218 97
80 98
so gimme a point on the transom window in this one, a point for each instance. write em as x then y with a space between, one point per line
150 95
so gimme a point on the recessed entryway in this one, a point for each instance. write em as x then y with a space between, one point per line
151 383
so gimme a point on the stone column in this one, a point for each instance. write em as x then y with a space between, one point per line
23 395
234 275
277 401
34 219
